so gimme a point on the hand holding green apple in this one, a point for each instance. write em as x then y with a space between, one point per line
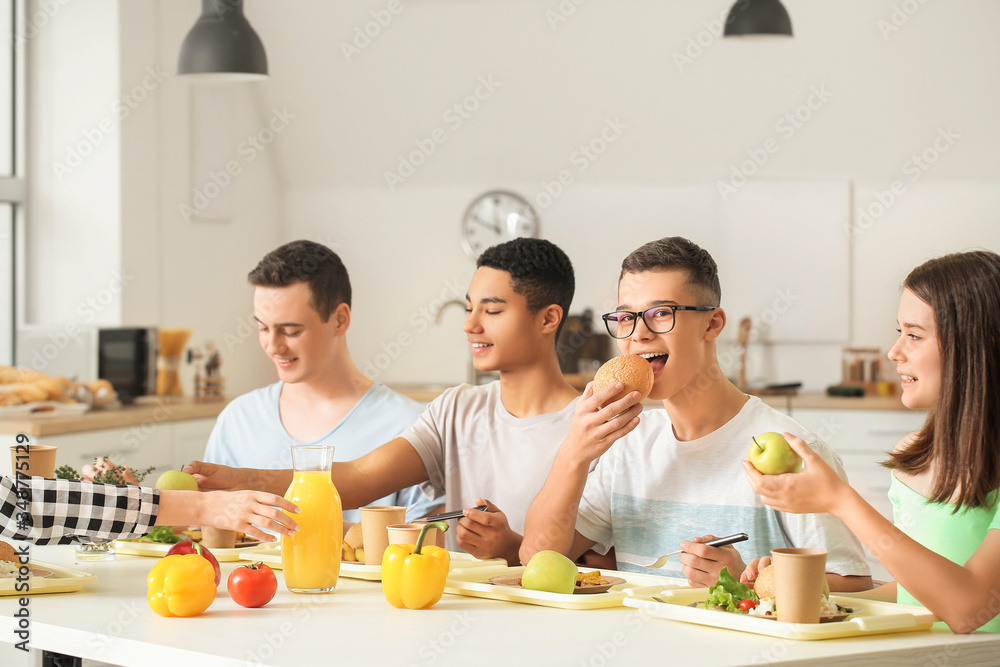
175 480
816 488
771 454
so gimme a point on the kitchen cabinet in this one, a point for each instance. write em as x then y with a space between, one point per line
863 439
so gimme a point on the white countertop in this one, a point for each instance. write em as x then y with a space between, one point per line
110 621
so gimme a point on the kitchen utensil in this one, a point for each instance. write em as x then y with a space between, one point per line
457 514
720 542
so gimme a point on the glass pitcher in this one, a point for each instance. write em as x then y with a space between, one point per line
310 557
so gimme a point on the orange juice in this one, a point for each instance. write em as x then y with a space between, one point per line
311 557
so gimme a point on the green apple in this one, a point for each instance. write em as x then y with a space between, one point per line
771 454
175 480
549 571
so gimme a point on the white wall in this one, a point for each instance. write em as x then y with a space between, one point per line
73 240
880 97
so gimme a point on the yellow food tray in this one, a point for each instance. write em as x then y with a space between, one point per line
474 582
271 554
61 580
160 549
873 618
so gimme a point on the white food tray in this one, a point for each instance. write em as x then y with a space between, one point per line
475 583
271 554
873 618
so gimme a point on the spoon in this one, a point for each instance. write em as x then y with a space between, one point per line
662 560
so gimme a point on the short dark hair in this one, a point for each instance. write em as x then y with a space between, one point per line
539 271
961 432
308 262
677 252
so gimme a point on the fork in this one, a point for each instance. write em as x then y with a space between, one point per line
662 560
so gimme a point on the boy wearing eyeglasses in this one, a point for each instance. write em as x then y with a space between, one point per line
485 445
676 472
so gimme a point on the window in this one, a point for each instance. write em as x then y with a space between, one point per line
11 165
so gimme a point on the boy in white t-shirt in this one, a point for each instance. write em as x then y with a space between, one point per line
488 445
676 472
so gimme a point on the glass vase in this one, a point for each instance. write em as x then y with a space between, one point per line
98 551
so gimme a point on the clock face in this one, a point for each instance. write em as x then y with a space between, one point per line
496 217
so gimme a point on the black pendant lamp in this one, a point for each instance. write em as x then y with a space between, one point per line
222 46
758 17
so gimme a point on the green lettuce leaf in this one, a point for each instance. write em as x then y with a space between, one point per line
163 534
727 593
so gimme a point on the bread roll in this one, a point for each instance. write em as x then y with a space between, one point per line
631 370
54 388
353 536
22 392
8 552
763 586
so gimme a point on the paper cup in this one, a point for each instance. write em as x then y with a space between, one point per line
407 533
33 460
216 538
374 520
434 536
798 584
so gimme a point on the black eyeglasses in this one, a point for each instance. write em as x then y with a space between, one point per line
658 319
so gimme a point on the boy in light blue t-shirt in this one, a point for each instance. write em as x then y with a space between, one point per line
302 304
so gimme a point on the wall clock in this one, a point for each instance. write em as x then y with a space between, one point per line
495 217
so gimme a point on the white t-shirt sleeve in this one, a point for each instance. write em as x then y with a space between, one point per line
846 555
427 438
593 520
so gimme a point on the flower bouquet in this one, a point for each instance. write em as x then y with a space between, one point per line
103 471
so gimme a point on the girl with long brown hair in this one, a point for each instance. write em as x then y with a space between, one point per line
943 547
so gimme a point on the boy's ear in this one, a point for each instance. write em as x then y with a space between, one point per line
551 317
716 324
341 316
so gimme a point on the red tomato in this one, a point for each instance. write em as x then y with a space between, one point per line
747 604
189 547
252 585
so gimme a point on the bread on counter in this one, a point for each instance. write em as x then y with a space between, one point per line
23 385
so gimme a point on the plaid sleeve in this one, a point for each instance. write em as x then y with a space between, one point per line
61 511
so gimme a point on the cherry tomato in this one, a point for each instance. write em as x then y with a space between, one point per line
252 585
189 547
747 604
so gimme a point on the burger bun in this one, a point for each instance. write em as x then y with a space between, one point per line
631 370
353 536
8 552
763 586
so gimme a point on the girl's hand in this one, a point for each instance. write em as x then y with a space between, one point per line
249 511
753 569
816 489
595 429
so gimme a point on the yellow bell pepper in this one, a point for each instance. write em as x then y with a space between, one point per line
413 575
181 585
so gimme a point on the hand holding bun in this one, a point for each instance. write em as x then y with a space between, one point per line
631 370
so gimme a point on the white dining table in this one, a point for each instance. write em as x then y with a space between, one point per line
110 621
